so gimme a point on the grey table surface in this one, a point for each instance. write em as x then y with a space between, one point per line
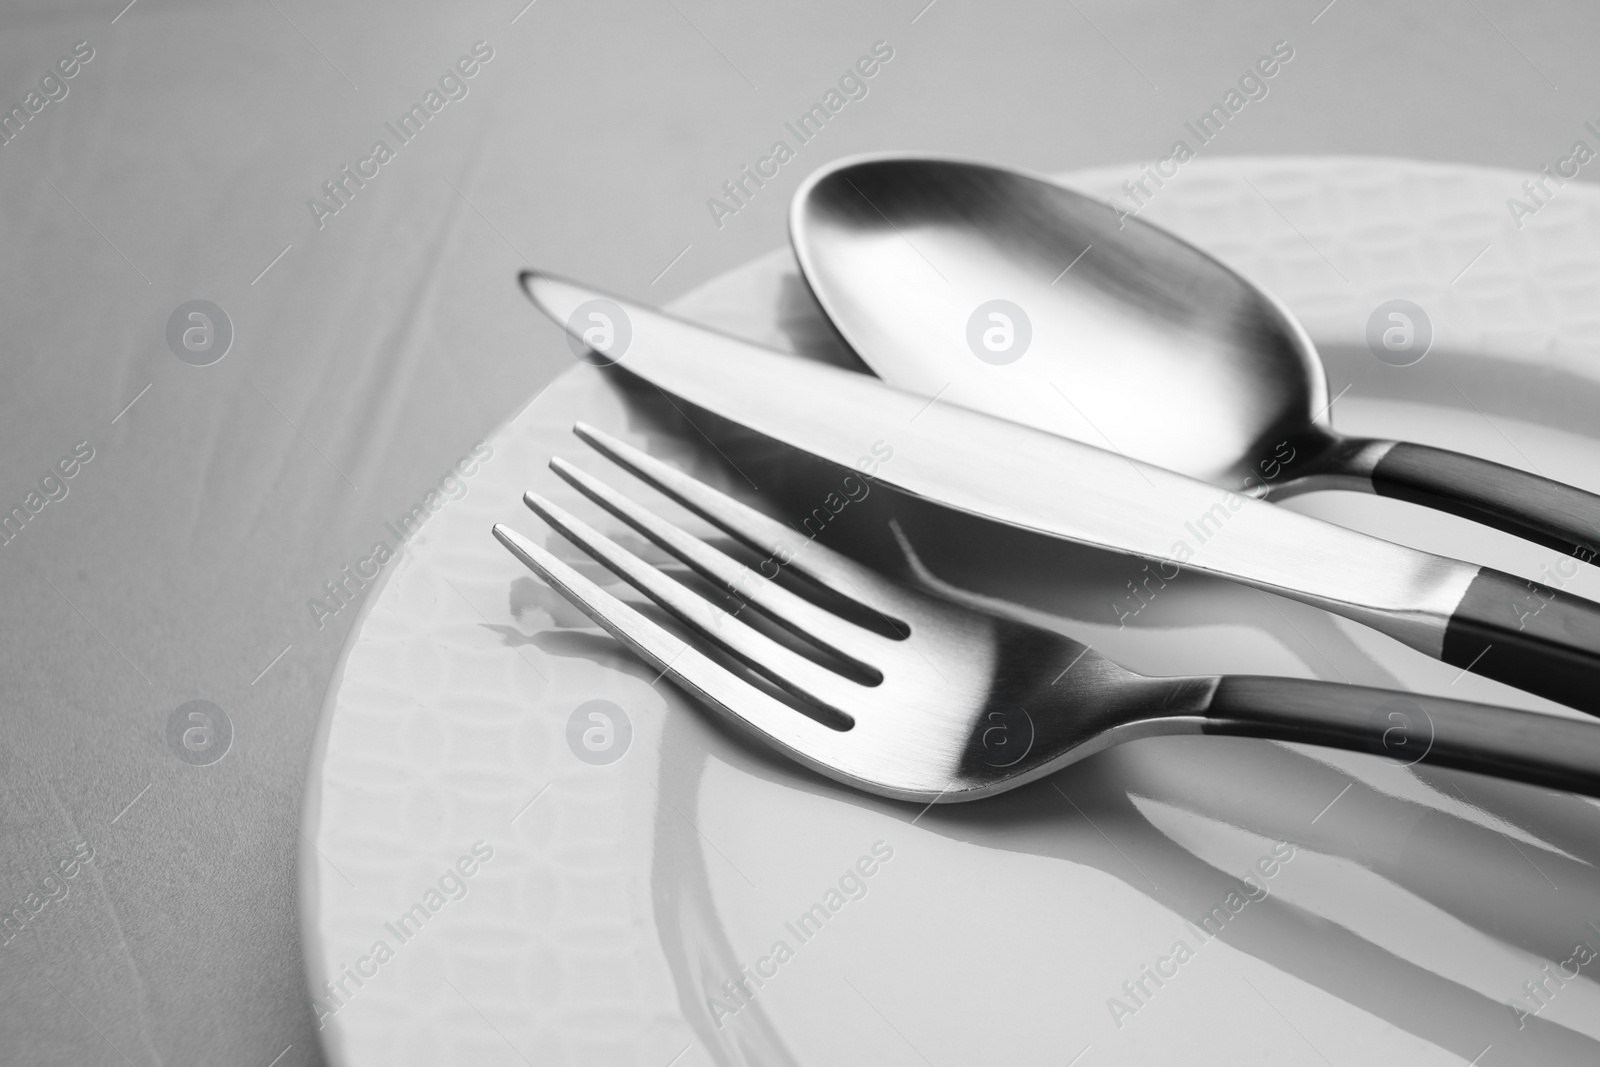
373 346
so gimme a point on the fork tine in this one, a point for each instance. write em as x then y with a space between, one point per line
786 668
761 532
804 618
800 737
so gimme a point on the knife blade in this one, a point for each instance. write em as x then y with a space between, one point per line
1482 620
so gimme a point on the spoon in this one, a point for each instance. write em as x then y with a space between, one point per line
1001 291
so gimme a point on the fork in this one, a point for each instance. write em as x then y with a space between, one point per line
908 695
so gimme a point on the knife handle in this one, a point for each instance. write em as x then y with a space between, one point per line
1537 509
1528 635
1523 746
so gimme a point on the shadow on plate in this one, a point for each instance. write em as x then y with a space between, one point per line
1536 897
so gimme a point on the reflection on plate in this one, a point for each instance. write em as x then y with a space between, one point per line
523 847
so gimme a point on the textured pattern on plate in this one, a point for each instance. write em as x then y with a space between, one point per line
449 713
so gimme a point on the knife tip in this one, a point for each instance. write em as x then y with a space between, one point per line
554 296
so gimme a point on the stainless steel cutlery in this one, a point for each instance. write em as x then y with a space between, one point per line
1477 618
922 699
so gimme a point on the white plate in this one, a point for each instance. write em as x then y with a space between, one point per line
624 897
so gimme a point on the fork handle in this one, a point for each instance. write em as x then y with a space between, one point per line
1524 746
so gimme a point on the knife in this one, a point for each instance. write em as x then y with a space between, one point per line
1479 619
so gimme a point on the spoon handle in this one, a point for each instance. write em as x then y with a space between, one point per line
1523 746
1537 509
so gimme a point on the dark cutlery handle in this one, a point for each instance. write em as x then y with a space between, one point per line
1540 510
1530 636
1524 746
